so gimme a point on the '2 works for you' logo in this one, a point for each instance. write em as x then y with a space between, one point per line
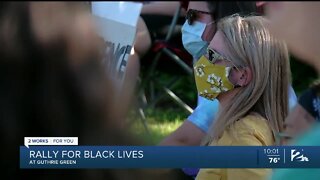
298 156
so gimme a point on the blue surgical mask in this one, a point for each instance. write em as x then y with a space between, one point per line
191 38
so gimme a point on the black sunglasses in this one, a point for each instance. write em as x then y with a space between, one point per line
192 15
213 56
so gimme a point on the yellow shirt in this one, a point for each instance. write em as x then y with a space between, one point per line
251 130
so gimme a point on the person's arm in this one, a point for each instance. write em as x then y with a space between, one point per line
187 134
162 8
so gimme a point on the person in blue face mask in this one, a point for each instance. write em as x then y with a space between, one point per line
192 33
197 32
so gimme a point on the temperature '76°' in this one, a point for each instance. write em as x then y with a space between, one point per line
274 159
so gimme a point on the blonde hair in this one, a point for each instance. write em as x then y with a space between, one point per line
251 45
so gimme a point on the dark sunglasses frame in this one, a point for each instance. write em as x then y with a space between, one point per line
213 55
192 15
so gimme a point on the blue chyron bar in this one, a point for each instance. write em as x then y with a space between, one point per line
48 157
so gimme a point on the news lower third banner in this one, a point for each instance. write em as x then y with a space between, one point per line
74 156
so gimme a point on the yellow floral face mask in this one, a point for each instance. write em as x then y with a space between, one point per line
211 79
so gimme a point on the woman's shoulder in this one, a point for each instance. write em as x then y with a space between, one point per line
252 129
252 122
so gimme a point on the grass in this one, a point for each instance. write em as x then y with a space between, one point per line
160 123
157 131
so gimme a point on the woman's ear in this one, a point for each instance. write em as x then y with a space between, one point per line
246 76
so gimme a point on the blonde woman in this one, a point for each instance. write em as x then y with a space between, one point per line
248 71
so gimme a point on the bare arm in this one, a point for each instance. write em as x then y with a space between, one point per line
162 8
186 135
